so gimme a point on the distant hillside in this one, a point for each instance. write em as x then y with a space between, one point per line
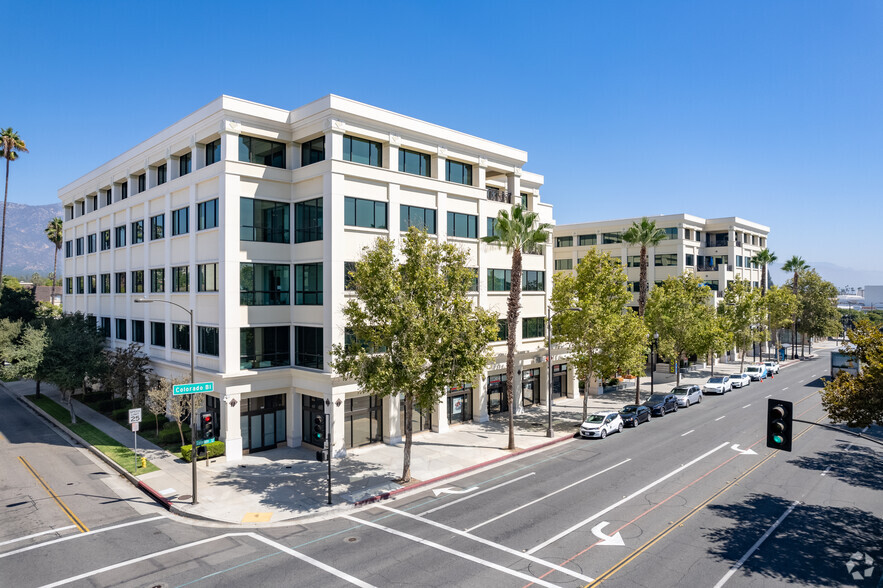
27 248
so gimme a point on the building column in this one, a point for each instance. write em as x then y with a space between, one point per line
572 383
231 435
479 399
440 422
392 420
513 185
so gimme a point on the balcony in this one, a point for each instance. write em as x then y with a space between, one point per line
706 268
499 195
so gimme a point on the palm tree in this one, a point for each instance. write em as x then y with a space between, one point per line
763 258
796 264
55 234
517 232
10 146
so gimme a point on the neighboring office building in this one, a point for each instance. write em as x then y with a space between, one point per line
718 250
252 215
873 297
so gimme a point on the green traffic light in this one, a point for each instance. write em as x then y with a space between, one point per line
778 439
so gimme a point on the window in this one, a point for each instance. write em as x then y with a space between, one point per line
92 284
499 280
213 152
180 337
533 281
108 197
120 282
138 281
262 347
362 151
414 163
161 174
79 245
157 226
491 226
68 248
473 287
120 328
261 151
264 221
609 238
105 283
308 347
665 259
350 340
208 341
524 200
312 151
158 280
263 284
81 285
124 190
158 334
308 283
671 232
105 240
633 261
458 172
104 329
68 285
462 225
358 212
713 284
689 260
207 215
137 331
738 261
633 286
349 269
137 232
207 277
588 240
142 182
181 221
95 202
563 264
181 279
184 164
502 330
533 327
308 221
92 243
120 236
413 216
688 234
563 241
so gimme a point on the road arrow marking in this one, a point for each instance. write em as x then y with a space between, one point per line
748 451
615 539
438 491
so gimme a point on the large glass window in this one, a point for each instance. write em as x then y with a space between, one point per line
458 172
633 261
312 151
137 232
138 281
105 240
414 163
104 329
499 280
184 164
181 279
157 334
308 221
363 421
671 232
588 240
68 285
502 330
79 245
124 190
308 283
158 280
563 264
91 243
81 285
491 226
207 215
92 284
533 327
689 260
414 216
181 221
208 341
142 182
462 225
157 226
264 284
105 284
564 241
358 212
137 331
665 259
264 221
308 347
533 281
120 236
362 151
609 238
262 347
180 337
161 174
121 282
261 151
207 277
349 270
120 328
213 152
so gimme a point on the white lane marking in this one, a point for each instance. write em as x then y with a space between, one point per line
754 547
615 539
472 558
768 395
800 381
688 432
785 388
719 418
271 543
601 513
827 469
848 447
26 537
78 535
746 406
813 376
431 510
532 502
438 491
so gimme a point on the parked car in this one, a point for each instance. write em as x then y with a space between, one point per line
757 372
740 380
717 385
601 424
634 414
687 395
772 367
659 404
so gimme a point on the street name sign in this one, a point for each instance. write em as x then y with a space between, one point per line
135 415
195 388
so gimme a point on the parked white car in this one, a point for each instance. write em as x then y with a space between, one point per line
740 380
601 424
772 367
717 385
687 395
757 372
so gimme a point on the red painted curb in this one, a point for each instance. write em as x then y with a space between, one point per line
392 493
162 500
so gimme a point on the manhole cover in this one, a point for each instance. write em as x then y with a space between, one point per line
351 540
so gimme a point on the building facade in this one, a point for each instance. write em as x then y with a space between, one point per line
251 216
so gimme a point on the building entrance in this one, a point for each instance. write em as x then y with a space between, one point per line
459 405
497 401
530 387
262 422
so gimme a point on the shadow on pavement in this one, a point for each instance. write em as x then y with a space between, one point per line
860 466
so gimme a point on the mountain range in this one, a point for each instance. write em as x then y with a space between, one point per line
27 249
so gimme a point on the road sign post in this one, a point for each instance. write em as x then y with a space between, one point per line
134 419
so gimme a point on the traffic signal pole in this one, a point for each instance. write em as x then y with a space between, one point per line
328 442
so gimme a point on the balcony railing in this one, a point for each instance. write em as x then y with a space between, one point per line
707 268
499 195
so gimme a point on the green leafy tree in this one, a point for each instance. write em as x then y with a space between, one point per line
680 310
23 354
10 147
179 407
742 315
817 301
781 306
857 401
412 327
127 374
518 232
55 233
796 265
719 339
18 304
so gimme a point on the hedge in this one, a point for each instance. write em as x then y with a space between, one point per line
215 449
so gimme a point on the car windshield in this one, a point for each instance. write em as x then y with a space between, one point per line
656 398
595 418
628 409
754 369
680 391
716 380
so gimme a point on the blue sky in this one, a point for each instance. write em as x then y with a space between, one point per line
767 110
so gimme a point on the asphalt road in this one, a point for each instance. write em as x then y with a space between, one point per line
690 499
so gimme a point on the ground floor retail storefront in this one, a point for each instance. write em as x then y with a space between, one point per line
262 422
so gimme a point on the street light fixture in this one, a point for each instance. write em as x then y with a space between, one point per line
192 396
549 361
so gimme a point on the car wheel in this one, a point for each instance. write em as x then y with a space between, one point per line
675 408
698 400
603 433
620 428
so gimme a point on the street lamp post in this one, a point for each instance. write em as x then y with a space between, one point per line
549 363
192 396
653 347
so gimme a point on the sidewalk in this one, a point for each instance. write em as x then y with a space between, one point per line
288 483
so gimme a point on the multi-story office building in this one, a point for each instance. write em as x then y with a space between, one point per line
718 250
252 216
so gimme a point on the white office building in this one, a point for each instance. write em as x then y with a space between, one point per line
251 216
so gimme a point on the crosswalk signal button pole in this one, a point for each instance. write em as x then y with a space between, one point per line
778 424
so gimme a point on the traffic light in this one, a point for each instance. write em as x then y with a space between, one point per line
319 428
206 426
778 424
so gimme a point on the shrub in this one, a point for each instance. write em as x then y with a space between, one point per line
214 449
169 435
120 415
104 406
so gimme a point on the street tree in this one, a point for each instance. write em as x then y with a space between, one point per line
763 258
18 304
817 301
412 329
796 265
742 315
127 374
718 337
854 400
518 232
55 233
781 306
10 147
23 353
178 407
156 401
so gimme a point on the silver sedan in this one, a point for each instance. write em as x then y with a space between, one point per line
687 395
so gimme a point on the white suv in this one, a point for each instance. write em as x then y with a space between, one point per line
772 367
717 385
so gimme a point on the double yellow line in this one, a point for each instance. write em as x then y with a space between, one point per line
79 524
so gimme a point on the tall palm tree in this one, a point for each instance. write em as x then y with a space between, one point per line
516 232
796 264
10 146
55 234
763 258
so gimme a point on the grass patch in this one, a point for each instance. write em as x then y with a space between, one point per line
122 455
